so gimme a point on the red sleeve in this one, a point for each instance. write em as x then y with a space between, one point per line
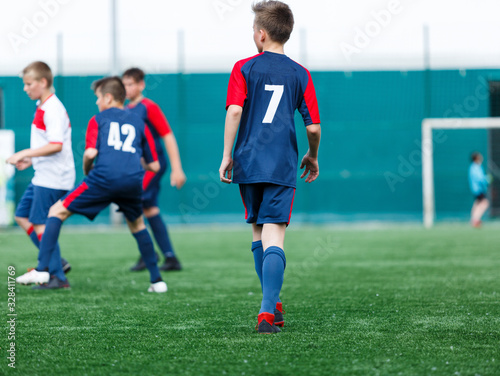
311 100
91 136
157 118
237 89
150 153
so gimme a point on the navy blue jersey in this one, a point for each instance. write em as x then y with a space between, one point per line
121 139
269 87
158 124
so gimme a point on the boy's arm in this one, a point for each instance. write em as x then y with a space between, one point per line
310 160
159 121
177 176
88 159
43 151
151 166
233 118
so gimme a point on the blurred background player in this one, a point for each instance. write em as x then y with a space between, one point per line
152 115
117 141
50 154
478 183
264 92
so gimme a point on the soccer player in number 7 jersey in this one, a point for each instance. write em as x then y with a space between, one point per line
118 148
264 92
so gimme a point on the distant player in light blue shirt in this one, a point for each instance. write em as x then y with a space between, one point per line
478 183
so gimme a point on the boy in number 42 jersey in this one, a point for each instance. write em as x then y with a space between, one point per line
264 92
118 148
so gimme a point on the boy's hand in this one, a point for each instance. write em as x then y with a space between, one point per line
226 167
23 164
312 167
177 178
15 158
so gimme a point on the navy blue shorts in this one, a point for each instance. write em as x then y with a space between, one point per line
151 187
89 199
480 197
267 203
36 202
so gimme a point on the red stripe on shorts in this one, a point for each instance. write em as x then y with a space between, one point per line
76 193
148 176
291 207
246 211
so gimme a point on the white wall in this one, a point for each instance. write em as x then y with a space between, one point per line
218 32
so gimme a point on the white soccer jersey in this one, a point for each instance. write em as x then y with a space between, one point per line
51 125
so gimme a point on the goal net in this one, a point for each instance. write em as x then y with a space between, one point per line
428 125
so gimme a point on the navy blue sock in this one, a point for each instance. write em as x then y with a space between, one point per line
48 243
160 233
148 254
273 269
258 254
55 265
34 237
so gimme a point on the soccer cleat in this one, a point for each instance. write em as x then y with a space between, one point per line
66 266
264 325
476 223
158 287
279 320
33 276
171 264
54 283
141 265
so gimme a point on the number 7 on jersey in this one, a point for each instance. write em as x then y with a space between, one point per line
275 101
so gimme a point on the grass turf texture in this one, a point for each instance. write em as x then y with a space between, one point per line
394 301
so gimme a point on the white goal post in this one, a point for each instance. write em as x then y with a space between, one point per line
427 154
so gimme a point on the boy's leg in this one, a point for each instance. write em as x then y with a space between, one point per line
478 210
23 212
274 213
160 233
50 256
273 265
146 247
257 250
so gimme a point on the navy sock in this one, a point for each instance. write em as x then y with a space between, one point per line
160 233
55 265
258 254
148 254
34 237
48 244
273 269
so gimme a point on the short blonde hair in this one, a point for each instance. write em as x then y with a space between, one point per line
40 70
276 18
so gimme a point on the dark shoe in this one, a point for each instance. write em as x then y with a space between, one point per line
65 265
279 320
54 283
264 327
170 264
141 265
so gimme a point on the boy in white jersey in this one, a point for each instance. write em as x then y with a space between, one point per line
51 156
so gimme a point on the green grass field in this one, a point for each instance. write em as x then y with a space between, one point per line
391 301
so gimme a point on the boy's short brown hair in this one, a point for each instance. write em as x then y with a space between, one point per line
274 17
136 74
111 85
40 70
